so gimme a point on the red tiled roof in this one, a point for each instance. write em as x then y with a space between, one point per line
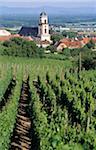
70 43
94 39
85 40
64 41
38 41
27 38
73 43
45 42
6 38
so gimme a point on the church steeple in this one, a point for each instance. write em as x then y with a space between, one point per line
43 29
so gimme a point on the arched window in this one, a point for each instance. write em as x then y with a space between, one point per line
45 21
45 30
40 31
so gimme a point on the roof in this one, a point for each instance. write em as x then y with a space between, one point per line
27 38
73 43
38 41
45 42
85 40
6 38
94 39
29 31
66 42
69 43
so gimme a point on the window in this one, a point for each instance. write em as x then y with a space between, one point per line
45 31
40 31
45 21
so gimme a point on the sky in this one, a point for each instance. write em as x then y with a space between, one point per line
50 6
59 3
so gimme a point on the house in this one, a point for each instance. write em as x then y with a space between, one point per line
94 39
43 44
6 38
85 40
4 32
68 43
73 43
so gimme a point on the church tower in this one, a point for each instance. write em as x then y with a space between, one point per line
43 29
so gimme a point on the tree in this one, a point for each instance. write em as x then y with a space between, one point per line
56 38
6 44
69 34
66 52
21 47
91 45
51 48
89 63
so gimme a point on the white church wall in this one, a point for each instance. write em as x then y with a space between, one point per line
43 29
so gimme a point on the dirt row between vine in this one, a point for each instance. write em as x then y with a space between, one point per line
22 134
7 94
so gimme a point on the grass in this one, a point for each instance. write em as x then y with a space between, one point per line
37 66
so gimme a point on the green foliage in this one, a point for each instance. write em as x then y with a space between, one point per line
69 34
89 60
62 106
91 45
52 48
88 63
75 52
56 38
4 79
66 52
68 108
88 57
22 48
8 116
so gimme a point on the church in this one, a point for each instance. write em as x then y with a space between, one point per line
40 34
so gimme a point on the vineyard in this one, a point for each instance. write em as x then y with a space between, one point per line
46 105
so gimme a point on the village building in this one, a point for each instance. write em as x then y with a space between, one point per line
73 43
29 31
4 32
40 34
8 37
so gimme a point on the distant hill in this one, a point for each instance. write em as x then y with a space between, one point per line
49 9
20 16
